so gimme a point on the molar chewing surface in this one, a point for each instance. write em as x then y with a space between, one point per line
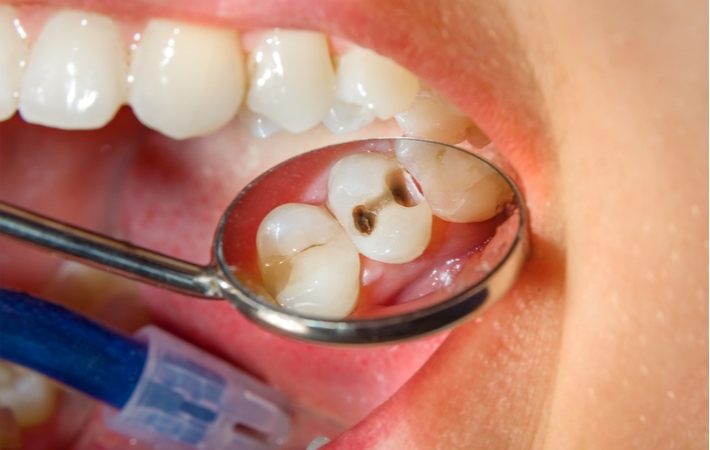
187 80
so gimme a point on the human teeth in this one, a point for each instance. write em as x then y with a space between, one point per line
432 117
13 55
368 79
347 117
76 73
291 79
186 80
259 125
458 186
379 207
307 262
29 395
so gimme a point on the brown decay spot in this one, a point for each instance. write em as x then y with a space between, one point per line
364 219
403 188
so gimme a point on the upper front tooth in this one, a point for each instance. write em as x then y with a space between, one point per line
346 117
368 79
13 54
434 118
379 208
187 80
291 79
458 186
76 73
307 261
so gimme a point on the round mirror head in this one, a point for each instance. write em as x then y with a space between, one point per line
372 241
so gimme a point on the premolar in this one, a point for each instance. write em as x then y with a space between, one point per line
458 186
29 395
76 73
368 79
307 262
382 226
187 80
432 117
13 56
291 79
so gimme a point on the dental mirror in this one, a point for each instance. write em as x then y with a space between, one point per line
365 242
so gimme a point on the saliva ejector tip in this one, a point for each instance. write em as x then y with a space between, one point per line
188 399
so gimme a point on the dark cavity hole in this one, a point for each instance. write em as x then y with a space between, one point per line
250 432
403 188
364 219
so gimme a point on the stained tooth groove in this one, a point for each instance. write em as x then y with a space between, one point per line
76 73
291 79
13 56
458 186
29 395
187 80
307 262
367 79
362 197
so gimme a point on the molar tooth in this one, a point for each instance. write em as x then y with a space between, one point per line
432 117
76 73
187 80
368 79
291 79
13 56
383 226
459 187
347 117
307 262
29 395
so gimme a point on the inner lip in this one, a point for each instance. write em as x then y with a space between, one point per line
478 96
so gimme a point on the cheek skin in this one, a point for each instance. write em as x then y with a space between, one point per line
629 100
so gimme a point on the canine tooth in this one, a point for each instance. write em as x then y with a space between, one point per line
13 55
291 79
347 117
29 395
459 187
259 125
76 73
188 80
307 261
432 117
376 214
368 79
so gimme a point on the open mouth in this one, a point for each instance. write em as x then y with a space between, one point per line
161 172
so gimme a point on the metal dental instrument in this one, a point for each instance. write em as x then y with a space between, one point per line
498 264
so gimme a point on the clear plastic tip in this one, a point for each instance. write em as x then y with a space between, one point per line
187 399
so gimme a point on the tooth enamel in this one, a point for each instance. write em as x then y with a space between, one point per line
187 80
29 395
368 79
76 73
348 117
434 118
307 261
258 125
361 197
291 79
13 55
458 186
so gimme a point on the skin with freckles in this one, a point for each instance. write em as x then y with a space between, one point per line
601 108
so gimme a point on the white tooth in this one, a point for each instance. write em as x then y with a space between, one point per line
368 79
458 186
364 195
347 117
258 125
432 117
307 261
291 79
76 73
29 395
186 80
317 443
13 56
